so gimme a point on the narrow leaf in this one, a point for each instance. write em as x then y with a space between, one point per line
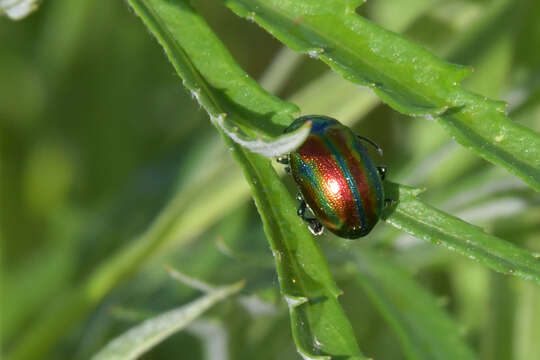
319 326
141 338
401 73
234 101
424 329
427 223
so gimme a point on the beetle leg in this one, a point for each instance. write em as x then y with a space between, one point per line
314 225
283 159
288 169
389 202
372 143
302 209
382 171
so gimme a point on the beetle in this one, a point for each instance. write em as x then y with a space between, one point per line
336 178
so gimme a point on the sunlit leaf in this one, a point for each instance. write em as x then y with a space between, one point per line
402 74
234 101
319 325
430 224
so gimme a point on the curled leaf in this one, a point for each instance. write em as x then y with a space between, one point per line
268 147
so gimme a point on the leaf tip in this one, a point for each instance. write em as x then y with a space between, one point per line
188 280
461 72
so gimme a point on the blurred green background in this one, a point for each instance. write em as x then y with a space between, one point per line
98 136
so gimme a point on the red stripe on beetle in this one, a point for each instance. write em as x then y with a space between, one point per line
337 193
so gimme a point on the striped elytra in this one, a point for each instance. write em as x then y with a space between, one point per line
337 178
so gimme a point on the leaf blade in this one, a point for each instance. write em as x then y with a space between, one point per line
320 328
233 100
141 338
319 325
425 331
407 77
430 224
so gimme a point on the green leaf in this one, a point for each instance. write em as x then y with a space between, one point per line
424 329
319 326
234 101
427 223
141 338
179 222
401 73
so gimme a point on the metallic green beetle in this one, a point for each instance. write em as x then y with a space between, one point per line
337 178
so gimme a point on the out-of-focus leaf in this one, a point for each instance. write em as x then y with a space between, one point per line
527 324
396 15
425 330
402 74
18 9
141 338
497 335
427 223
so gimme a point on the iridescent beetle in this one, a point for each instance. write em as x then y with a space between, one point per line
337 179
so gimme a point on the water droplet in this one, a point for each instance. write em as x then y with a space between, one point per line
317 343
196 94
315 53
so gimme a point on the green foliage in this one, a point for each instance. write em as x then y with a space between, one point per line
139 339
229 95
402 74
108 178
320 327
427 223
424 330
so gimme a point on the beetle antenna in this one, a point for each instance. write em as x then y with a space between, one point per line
372 143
